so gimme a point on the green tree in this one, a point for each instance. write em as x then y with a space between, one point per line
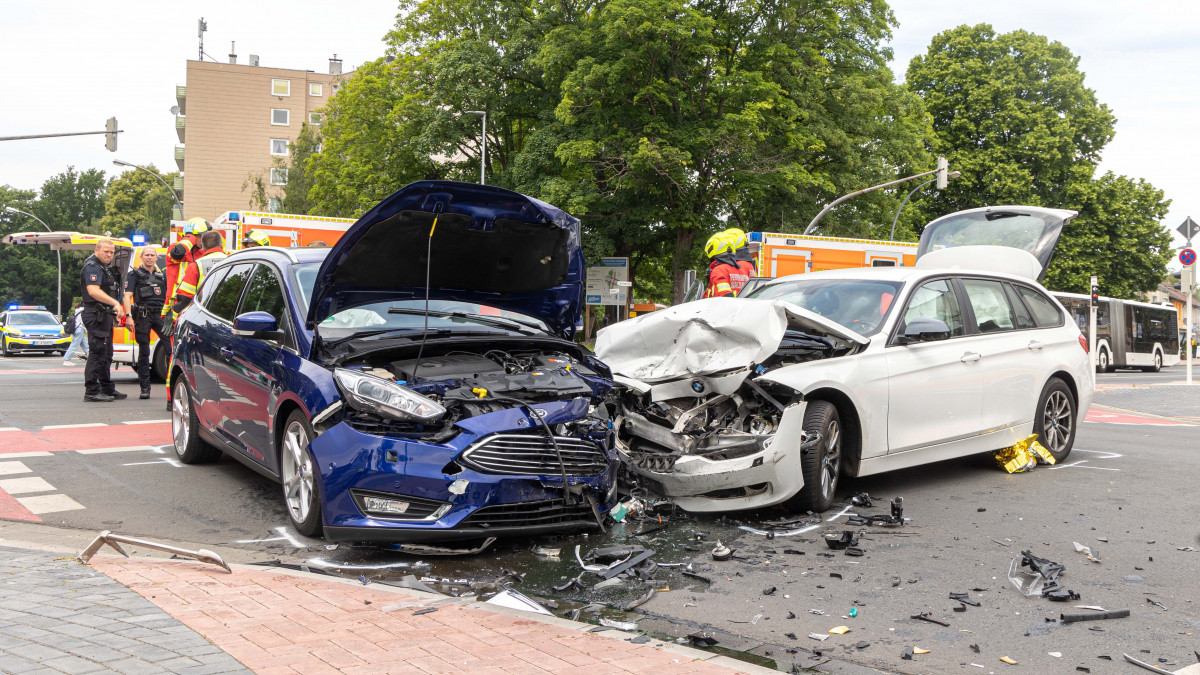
293 195
28 274
1012 113
1117 237
135 202
72 200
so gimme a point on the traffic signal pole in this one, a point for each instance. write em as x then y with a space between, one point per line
1093 351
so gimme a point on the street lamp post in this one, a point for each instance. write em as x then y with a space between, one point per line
892 236
942 173
483 145
174 196
58 254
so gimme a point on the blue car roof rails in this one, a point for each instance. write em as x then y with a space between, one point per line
262 249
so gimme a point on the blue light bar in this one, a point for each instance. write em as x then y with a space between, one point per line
139 239
754 236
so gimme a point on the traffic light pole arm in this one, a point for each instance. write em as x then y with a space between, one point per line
839 200
75 133
160 179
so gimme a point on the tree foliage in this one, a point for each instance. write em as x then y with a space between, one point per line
294 194
656 122
28 274
1012 113
136 202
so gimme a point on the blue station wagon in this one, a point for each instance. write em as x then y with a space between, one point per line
417 382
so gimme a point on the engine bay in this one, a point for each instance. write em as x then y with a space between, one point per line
470 381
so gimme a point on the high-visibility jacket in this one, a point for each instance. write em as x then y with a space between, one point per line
727 277
180 267
206 260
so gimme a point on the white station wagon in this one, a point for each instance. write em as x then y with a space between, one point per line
736 403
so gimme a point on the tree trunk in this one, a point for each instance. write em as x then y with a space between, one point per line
683 244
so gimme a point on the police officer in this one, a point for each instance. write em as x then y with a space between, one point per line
100 306
145 290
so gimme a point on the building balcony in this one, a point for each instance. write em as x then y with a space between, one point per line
181 98
180 125
179 152
178 186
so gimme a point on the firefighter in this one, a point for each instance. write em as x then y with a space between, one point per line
182 278
726 274
100 305
741 249
255 238
145 294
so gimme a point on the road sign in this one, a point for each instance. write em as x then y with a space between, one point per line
608 283
1188 229
1187 256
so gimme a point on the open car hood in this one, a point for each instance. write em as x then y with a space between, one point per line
707 336
490 246
980 237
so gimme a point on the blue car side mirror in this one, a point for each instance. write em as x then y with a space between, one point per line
258 325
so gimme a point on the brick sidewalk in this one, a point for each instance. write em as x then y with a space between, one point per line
276 622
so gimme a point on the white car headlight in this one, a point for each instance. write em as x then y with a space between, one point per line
14 332
368 392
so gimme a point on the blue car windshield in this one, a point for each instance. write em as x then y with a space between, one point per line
407 314
858 304
32 319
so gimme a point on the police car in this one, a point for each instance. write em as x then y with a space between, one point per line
30 328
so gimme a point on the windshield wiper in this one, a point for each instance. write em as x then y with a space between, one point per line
485 319
369 334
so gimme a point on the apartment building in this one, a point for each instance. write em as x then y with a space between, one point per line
234 120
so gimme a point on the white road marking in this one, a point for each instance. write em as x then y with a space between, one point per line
9 429
161 460
17 486
844 512
148 422
284 535
22 455
40 504
1104 454
9 468
1076 465
105 451
75 426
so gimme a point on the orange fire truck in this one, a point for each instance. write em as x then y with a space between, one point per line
778 255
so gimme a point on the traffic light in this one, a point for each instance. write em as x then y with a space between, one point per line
110 138
1095 295
943 173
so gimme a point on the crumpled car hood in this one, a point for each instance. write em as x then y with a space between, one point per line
707 336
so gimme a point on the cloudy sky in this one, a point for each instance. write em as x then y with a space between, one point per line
72 64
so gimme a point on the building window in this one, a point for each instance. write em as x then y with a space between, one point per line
280 117
279 176
274 204
315 88
314 119
279 146
335 87
281 87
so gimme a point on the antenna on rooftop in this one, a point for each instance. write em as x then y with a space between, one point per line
201 26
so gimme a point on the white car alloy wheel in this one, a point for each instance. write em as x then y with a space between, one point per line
180 417
299 483
831 459
1057 420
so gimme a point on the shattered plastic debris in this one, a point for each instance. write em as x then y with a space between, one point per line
818 636
1040 580
839 630
838 542
619 625
1095 616
701 639
1087 551
1008 660
918 650
1023 456
907 654
721 552
861 499
546 551
514 600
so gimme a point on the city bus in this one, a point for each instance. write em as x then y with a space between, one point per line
1129 334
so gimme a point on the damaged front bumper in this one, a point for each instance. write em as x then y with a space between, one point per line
444 498
700 483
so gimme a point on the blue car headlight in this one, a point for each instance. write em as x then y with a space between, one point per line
367 392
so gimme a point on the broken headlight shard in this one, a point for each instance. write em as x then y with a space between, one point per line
514 600
619 625
1041 579
1023 456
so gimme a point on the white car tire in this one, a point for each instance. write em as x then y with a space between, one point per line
1055 420
822 465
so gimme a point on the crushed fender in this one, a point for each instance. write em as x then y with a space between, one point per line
1023 456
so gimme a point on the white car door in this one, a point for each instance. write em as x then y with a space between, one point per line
935 389
1010 354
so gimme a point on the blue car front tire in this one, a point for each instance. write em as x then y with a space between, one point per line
298 471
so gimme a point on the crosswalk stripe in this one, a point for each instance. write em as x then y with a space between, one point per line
40 504
9 468
19 486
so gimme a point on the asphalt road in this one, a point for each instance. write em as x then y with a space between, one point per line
1130 480
1131 376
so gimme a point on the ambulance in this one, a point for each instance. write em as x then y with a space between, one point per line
780 255
286 230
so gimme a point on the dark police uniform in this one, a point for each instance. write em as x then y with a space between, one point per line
98 320
149 292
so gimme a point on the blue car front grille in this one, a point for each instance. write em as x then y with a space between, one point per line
532 454
523 514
